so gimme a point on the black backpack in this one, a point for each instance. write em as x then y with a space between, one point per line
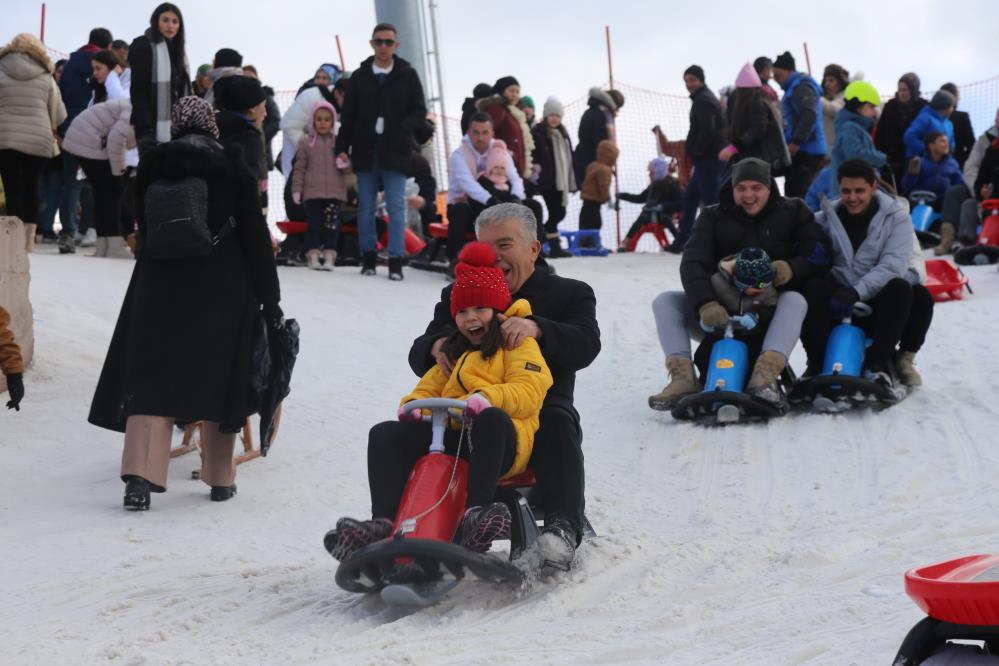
177 220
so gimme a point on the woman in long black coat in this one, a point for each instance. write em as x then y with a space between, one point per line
181 350
149 117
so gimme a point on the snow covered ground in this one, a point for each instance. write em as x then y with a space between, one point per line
782 543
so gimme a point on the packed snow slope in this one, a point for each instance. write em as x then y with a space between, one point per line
780 543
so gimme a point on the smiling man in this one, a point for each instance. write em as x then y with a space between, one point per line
751 213
565 325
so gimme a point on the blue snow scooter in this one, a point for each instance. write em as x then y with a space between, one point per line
925 220
723 401
841 385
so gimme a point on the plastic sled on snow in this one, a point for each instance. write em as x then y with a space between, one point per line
420 562
961 600
723 401
986 250
945 280
841 384
925 220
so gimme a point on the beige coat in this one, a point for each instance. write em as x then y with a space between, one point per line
102 132
31 107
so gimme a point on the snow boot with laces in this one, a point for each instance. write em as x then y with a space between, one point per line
349 535
905 365
681 383
136 493
480 526
764 383
557 545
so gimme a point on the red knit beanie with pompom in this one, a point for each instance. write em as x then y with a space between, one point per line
479 282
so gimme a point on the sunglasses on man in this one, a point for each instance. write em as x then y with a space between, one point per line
383 42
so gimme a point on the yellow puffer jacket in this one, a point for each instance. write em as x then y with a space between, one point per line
516 381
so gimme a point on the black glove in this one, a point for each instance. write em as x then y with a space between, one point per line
841 303
15 386
273 315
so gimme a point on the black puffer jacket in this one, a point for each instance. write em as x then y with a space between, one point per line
184 337
706 135
400 102
236 131
785 229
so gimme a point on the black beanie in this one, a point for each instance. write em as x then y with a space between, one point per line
753 169
482 91
238 93
696 71
785 61
503 83
228 58
942 100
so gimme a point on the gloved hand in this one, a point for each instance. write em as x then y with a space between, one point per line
914 164
15 386
783 271
273 315
410 416
296 197
841 303
713 314
475 405
749 320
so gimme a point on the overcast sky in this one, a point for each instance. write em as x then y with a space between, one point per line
557 48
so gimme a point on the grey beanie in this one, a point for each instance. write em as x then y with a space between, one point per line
753 169
942 100
553 107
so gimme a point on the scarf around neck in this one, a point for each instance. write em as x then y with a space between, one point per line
565 180
161 81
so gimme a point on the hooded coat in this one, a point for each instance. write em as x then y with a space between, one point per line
593 128
926 121
785 229
75 83
30 103
102 132
236 130
510 126
515 381
183 342
853 141
315 174
597 184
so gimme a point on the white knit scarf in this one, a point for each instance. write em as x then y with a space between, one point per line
161 79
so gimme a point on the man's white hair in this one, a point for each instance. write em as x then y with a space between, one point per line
505 212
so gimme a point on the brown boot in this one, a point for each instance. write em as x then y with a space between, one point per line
681 383
947 234
905 365
763 383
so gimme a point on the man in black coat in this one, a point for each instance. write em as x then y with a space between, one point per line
964 134
751 213
382 108
565 325
705 138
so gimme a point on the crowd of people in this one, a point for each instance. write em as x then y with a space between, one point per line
157 146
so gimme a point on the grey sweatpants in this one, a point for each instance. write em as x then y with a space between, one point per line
961 210
676 323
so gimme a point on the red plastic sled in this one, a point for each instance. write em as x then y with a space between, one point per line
962 591
945 280
414 244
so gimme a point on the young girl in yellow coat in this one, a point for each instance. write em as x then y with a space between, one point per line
503 390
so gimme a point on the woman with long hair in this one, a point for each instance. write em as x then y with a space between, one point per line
106 79
753 127
159 73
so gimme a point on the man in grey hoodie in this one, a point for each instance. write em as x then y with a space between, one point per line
873 260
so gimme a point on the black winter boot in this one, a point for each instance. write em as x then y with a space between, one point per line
136 494
395 269
368 261
222 493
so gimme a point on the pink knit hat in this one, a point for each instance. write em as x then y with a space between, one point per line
321 104
748 78
497 155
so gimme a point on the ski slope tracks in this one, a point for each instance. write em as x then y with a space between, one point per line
777 543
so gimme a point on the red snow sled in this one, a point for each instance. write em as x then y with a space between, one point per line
945 280
986 250
420 562
961 598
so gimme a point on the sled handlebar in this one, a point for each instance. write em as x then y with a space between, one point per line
922 196
440 411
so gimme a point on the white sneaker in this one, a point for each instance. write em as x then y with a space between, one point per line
89 239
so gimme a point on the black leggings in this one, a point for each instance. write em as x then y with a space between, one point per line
589 215
902 316
20 173
556 211
395 446
108 190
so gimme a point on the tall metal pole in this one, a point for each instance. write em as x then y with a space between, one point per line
339 49
808 59
440 78
617 189
42 35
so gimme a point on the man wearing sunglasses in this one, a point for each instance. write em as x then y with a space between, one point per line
383 105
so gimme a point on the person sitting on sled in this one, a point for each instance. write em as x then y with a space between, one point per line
494 178
663 196
503 389
875 260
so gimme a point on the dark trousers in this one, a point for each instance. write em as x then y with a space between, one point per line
589 215
702 189
20 173
955 196
918 323
323 217
460 224
70 196
799 176
556 211
108 190
395 446
557 461
128 202
49 191
889 320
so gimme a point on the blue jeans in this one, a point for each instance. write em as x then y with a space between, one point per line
394 185
701 189
49 193
70 194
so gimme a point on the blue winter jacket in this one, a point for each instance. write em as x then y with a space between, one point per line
933 176
853 140
75 84
824 183
926 121
802 104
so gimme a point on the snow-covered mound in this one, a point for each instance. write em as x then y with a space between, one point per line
766 544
